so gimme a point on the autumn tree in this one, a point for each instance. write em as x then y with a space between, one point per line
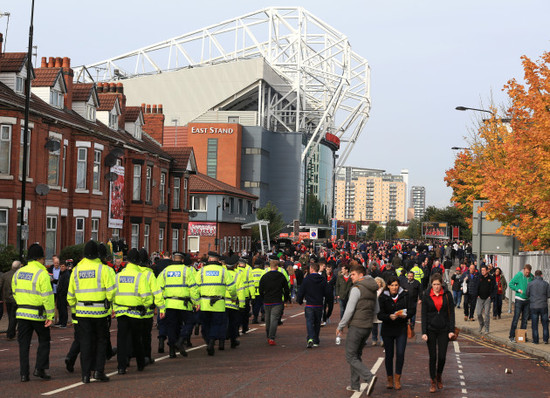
508 162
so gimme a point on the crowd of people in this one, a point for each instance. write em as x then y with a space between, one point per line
378 286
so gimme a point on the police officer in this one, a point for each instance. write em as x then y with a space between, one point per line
33 294
132 298
91 292
191 318
158 302
180 293
247 286
234 306
257 303
213 280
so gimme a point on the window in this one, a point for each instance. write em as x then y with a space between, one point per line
137 131
79 231
28 152
135 237
161 239
185 183
90 112
56 98
148 178
51 235
24 238
250 209
64 165
212 158
5 149
19 85
113 120
81 168
193 243
53 168
231 205
136 193
146 233
175 239
95 229
97 171
251 184
177 182
240 208
3 227
198 203
162 188
115 233
232 119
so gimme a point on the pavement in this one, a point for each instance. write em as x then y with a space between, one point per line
499 330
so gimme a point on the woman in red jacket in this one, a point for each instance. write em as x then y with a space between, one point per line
438 325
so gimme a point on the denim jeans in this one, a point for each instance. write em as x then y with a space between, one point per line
521 307
342 303
313 323
397 345
543 314
376 332
355 342
457 297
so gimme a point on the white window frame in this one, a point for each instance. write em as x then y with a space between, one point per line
96 171
53 155
175 239
95 229
197 201
90 112
185 194
113 120
82 164
176 193
7 143
115 233
19 85
162 188
56 99
161 239
134 240
64 165
194 243
146 236
79 232
51 234
148 182
136 187
4 226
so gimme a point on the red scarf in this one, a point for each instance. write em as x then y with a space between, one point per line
438 300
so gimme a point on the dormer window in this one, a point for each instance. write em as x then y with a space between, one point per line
113 120
56 99
137 131
19 85
90 112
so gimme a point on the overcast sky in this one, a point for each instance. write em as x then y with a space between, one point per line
426 58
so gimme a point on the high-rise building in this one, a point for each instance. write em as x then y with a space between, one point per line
418 201
369 195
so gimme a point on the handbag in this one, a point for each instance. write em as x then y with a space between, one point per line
410 331
457 330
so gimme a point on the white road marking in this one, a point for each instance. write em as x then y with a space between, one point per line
457 348
462 383
295 315
461 377
460 371
464 391
373 371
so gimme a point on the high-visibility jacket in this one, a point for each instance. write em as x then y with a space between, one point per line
257 274
248 282
91 289
32 291
234 303
213 280
154 291
132 293
177 283
399 270
418 273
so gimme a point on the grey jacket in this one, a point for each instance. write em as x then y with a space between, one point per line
538 291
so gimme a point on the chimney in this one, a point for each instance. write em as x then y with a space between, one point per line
68 76
58 62
154 122
142 108
44 63
154 109
112 87
120 88
51 62
159 108
148 108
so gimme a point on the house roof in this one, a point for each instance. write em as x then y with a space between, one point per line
132 113
45 77
12 62
201 183
180 155
106 101
82 91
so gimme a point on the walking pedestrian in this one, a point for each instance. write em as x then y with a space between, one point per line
521 304
486 290
538 291
414 288
456 286
502 285
395 311
9 300
377 323
359 316
343 286
33 294
438 323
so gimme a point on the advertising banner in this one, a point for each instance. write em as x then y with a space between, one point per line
202 229
116 198
352 229
456 232
334 229
436 230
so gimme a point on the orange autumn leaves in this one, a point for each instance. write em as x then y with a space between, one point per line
509 161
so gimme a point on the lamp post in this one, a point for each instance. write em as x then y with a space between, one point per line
217 226
466 108
24 228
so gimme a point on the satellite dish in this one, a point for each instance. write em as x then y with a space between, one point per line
110 160
162 207
52 145
117 152
42 189
192 214
111 176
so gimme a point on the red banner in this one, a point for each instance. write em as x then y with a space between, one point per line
352 229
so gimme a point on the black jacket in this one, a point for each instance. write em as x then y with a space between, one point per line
313 289
415 290
273 286
438 321
388 306
63 283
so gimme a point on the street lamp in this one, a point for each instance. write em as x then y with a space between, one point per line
465 108
459 148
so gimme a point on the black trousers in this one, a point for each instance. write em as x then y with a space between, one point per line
24 337
93 344
75 346
146 330
173 322
234 317
437 349
245 315
11 308
469 304
128 326
62 309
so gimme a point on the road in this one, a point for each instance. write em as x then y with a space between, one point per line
254 369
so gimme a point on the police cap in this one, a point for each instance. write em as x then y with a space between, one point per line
232 260
214 254
35 252
274 257
259 263
91 251
244 259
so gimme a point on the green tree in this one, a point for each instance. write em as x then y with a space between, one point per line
8 255
315 213
270 213
391 228
414 230
379 233
452 216
371 229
